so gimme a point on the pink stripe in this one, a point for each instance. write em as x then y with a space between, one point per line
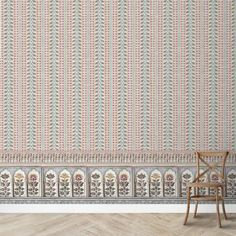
70 22
160 74
92 81
47 78
2 41
175 75
220 76
231 123
38 80
84 79
15 75
115 75
106 75
129 77
137 77
206 73
24 78
61 77
198 75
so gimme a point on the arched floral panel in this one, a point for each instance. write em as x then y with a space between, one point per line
79 184
124 184
110 184
186 177
51 184
6 184
142 184
156 184
65 184
203 179
170 184
34 185
214 178
96 184
20 184
231 184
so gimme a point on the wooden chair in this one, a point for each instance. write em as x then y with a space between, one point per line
219 187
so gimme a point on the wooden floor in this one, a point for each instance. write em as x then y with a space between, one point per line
113 224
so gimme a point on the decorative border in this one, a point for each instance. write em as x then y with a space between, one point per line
165 183
93 158
102 201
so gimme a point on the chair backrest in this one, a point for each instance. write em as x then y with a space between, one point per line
206 159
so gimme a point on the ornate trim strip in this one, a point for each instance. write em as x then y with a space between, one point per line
103 158
130 184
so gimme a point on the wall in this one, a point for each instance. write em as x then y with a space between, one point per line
110 99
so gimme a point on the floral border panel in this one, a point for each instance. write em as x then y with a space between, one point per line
103 183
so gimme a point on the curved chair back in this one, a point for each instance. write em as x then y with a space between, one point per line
214 161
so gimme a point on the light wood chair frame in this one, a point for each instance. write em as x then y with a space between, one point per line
196 184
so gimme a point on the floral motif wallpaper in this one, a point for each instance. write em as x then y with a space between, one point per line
104 99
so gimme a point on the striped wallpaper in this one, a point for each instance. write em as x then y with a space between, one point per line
125 76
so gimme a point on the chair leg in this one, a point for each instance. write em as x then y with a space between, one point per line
188 206
223 202
223 207
218 210
195 211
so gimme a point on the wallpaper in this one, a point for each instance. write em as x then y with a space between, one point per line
112 97
118 75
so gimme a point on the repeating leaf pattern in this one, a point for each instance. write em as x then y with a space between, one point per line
51 184
5 184
114 183
170 183
142 184
124 184
96 184
34 185
231 184
114 82
65 185
110 184
79 184
118 76
20 184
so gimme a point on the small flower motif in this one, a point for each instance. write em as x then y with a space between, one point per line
33 177
214 177
187 176
141 176
110 176
123 177
50 176
232 176
169 177
64 176
155 176
5 176
19 176
78 177
95 176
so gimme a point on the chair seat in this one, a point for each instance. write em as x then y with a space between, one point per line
205 185
206 198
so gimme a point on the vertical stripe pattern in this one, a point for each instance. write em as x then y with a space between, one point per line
8 73
122 74
168 75
31 76
191 79
99 75
117 76
213 73
54 74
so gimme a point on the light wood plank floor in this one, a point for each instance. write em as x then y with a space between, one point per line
113 224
